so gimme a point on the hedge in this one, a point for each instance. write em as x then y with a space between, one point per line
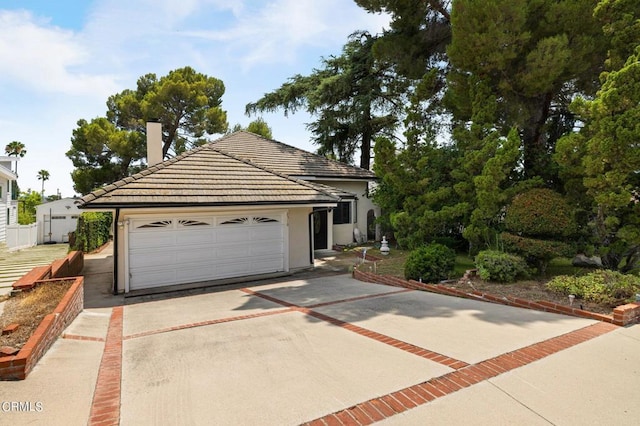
93 230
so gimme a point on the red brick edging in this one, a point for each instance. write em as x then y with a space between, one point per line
69 266
17 367
376 409
379 337
622 315
105 407
205 323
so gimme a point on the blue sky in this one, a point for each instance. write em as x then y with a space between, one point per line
61 60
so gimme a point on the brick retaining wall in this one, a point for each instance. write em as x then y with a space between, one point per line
70 266
17 367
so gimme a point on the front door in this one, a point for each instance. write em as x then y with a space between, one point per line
320 232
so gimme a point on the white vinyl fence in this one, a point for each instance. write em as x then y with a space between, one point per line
22 236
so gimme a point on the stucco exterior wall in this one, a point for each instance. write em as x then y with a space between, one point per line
299 244
343 234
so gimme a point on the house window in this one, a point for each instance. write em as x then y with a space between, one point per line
157 224
14 190
8 217
192 222
342 214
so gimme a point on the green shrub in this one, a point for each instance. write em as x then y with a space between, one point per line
93 230
453 242
499 266
540 213
536 252
537 221
602 286
432 263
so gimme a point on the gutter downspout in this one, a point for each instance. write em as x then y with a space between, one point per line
115 251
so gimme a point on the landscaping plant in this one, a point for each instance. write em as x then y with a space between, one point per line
93 230
499 266
538 221
602 286
432 263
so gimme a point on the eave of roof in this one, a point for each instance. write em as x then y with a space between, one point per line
7 173
206 176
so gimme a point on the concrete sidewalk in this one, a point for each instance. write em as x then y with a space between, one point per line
326 350
14 264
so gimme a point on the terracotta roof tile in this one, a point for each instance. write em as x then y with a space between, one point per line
208 176
286 159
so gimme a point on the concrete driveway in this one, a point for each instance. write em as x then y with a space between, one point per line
329 350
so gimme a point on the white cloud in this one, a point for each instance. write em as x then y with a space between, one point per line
279 30
50 76
45 58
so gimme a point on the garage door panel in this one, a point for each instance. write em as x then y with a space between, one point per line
176 250
146 240
236 269
232 251
195 237
148 278
194 272
195 254
152 259
266 233
267 265
273 246
231 234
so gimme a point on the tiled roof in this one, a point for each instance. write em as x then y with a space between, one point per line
206 176
286 159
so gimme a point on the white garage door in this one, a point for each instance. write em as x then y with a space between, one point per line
177 250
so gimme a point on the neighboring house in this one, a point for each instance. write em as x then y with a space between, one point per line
8 200
216 212
56 220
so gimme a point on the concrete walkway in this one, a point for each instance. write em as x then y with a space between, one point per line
322 351
14 264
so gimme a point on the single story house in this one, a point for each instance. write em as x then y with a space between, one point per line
56 219
8 200
237 207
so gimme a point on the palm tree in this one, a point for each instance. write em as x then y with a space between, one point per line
15 149
43 175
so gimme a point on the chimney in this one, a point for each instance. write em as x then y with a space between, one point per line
154 143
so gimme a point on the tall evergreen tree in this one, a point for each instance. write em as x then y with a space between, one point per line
187 103
606 154
257 126
534 56
353 98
